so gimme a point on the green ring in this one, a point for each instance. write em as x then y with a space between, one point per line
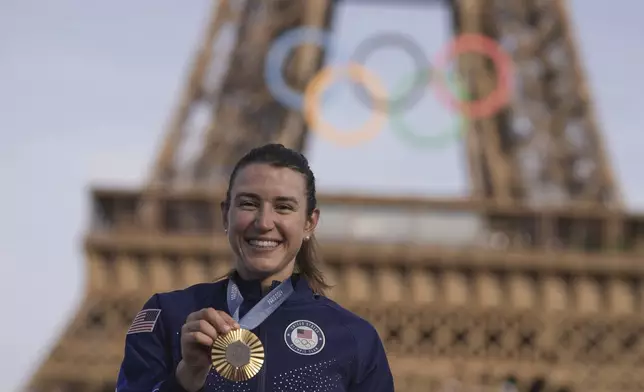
441 139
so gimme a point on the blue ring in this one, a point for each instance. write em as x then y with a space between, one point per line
276 58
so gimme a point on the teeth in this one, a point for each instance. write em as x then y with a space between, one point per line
263 244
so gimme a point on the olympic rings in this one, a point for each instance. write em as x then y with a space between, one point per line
438 140
491 104
406 43
303 342
312 108
277 56
309 102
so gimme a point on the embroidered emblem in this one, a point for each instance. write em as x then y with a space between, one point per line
144 321
304 337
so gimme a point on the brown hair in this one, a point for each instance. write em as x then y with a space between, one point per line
307 260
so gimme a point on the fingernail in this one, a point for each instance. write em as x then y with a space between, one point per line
226 328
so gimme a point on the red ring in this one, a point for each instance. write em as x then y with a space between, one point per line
494 101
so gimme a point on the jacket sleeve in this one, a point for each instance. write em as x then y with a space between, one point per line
147 362
371 371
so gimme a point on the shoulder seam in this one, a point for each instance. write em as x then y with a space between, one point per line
356 350
157 298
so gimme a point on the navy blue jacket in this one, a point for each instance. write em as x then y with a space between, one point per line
311 344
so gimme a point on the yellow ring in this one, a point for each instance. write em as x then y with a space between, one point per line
313 117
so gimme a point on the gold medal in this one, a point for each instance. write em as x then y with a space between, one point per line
238 355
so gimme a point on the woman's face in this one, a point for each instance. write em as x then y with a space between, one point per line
267 219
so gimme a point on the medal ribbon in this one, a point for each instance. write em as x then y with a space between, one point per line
264 308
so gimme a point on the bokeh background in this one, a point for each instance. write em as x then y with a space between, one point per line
86 89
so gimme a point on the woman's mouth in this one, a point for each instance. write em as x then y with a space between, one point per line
263 244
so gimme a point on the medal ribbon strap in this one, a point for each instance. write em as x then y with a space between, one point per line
264 308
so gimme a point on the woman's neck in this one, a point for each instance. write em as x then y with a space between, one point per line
266 281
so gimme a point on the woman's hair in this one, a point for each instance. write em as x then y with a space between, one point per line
307 260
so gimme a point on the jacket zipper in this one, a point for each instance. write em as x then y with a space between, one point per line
261 387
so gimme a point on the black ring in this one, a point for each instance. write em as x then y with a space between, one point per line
409 45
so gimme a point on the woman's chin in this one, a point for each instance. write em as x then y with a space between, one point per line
263 260
262 266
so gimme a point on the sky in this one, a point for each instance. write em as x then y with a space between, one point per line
86 89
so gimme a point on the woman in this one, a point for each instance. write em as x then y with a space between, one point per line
267 326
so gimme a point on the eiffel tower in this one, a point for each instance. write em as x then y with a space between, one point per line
549 291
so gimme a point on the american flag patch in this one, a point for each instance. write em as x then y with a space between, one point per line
144 321
304 333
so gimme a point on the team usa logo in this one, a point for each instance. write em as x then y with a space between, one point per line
304 337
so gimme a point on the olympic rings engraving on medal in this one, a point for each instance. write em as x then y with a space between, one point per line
383 107
499 97
432 140
312 108
405 100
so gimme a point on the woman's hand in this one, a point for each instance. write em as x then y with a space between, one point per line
197 336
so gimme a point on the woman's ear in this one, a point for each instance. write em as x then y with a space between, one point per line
312 223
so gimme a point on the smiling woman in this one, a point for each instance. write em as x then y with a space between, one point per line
266 326
270 215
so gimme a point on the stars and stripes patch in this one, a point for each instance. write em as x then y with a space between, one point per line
144 321
304 333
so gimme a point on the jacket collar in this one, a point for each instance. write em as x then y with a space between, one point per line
251 290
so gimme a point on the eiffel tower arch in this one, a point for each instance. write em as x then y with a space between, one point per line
547 290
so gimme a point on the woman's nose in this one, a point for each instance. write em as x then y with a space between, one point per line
264 220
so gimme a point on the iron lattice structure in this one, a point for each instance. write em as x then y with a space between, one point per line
540 276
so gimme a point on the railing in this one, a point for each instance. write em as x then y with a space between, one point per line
451 224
